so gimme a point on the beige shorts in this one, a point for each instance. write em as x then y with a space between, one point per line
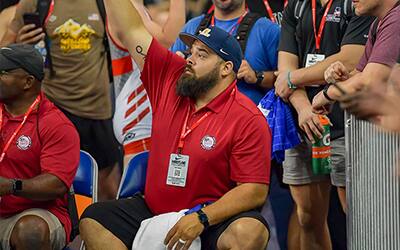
57 232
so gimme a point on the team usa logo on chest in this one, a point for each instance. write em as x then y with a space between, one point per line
24 142
208 142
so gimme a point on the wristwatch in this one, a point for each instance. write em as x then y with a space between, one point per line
203 218
260 77
16 185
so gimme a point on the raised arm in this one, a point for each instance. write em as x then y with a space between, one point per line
129 28
167 33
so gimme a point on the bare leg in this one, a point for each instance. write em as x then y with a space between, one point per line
312 202
342 197
96 237
253 231
108 182
30 232
294 231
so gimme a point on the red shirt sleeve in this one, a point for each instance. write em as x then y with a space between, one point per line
251 154
60 148
160 72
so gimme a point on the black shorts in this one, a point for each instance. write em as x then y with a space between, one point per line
123 217
97 138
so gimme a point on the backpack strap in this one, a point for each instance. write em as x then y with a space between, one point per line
43 7
299 8
102 10
243 31
205 22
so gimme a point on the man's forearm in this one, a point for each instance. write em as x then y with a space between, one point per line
349 55
40 188
269 80
242 198
299 100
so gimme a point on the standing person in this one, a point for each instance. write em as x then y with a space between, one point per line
77 78
132 117
259 42
272 9
315 34
7 12
380 55
39 156
197 155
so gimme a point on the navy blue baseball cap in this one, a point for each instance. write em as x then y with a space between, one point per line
22 56
219 41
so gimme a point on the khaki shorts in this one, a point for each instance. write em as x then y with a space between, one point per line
298 160
57 232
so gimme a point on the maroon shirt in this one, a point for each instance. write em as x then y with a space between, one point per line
233 144
386 48
47 143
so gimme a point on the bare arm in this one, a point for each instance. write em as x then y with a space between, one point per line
9 37
5 18
373 73
349 55
43 187
129 28
168 33
243 197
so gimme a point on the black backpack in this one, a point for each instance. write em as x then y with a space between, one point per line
43 7
243 31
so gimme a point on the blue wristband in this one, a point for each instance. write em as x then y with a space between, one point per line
289 82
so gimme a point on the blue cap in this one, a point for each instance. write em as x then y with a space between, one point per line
219 41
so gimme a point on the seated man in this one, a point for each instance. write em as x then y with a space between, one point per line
39 156
210 143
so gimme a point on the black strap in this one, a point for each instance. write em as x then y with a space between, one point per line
243 31
205 22
102 10
43 7
73 214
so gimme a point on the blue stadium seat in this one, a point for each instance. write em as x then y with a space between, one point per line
85 182
134 176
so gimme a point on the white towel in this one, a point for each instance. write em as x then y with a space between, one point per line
153 231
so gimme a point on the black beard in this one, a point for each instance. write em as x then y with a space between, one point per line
195 87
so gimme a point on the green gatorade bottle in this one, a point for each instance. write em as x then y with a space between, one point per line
321 150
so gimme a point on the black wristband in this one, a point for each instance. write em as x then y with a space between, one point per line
203 218
325 92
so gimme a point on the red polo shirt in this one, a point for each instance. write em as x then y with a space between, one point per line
56 153
233 144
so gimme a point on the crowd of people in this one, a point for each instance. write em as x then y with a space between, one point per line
184 80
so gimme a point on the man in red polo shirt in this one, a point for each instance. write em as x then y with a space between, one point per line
39 155
209 144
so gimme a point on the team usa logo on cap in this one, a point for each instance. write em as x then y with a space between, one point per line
24 142
208 142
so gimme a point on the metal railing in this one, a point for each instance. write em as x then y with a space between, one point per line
373 187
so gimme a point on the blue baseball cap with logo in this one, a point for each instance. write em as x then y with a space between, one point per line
219 41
